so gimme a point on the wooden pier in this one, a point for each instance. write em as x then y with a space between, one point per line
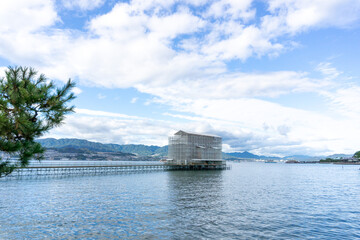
88 169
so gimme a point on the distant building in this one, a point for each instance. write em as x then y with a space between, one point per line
191 148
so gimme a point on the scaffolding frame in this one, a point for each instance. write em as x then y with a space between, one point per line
192 148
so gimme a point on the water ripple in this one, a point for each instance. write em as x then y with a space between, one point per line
251 201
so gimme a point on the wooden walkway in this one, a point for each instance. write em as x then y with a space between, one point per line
63 170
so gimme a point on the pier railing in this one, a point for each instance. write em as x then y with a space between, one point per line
89 163
62 168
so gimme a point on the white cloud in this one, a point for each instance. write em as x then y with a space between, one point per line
231 9
103 114
23 15
345 101
76 90
171 26
250 41
120 41
2 71
120 20
179 55
110 127
292 16
134 100
326 69
240 85
101 96
241 122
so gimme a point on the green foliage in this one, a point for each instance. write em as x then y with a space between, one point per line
357 155
29 107
329 160
71 150
76 150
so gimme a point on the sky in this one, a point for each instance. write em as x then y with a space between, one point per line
275 77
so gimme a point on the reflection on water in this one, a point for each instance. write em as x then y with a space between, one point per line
251 201
194 197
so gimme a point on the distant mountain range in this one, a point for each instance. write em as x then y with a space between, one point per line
248 155
340 156
144 150
73 143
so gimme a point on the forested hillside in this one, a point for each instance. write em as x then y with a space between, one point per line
141 150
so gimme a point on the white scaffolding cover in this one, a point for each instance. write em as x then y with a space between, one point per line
185 147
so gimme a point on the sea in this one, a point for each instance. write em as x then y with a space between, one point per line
251 201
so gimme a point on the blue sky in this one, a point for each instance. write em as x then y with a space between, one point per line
276 77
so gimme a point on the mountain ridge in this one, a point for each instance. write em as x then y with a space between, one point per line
138 149
152 150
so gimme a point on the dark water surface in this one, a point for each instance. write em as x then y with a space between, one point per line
251 201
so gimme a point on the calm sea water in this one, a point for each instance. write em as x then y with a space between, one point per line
251 201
